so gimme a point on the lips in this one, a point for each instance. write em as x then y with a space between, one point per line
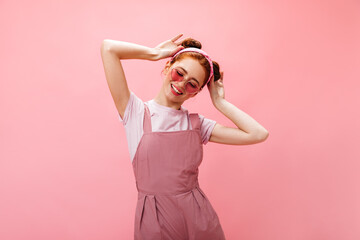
175 89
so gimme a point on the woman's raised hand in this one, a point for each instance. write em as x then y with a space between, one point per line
216 89
169 47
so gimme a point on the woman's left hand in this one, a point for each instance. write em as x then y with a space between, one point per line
216 89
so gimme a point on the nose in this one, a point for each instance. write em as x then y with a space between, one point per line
181 84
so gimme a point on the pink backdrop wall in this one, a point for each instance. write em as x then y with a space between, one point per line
65 170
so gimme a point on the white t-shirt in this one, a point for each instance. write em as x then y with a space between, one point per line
163 119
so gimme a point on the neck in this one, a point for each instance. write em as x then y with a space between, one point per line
162 100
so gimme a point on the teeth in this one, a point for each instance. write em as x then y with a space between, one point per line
175 89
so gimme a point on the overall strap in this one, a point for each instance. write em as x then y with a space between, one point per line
195 121
147 119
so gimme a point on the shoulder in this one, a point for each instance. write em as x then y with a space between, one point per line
134 108
206 127
206 121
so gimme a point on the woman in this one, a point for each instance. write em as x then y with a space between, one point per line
165 141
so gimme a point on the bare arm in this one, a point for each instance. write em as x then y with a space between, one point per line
248 130
113 51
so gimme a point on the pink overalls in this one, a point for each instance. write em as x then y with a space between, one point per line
171 205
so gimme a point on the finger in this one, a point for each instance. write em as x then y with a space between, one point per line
177 37
177 49
211 81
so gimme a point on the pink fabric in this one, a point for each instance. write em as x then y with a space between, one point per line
171 204
163 119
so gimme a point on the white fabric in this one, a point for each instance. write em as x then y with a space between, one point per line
163 119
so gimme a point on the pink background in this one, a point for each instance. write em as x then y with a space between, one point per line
65 170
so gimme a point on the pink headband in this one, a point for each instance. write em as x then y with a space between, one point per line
192 49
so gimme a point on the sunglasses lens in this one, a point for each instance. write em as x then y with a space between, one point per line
175 75
190 87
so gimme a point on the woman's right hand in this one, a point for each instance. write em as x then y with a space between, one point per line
168 48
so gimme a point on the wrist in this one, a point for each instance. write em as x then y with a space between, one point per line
219 102
154 54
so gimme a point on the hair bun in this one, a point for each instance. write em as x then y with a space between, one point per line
190 42
217 74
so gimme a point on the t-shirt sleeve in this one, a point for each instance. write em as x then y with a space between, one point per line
133 122
134 109
206 127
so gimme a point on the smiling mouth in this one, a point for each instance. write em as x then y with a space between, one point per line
176 90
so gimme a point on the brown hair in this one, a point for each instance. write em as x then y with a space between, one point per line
190 42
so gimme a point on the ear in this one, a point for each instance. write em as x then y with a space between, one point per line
167 67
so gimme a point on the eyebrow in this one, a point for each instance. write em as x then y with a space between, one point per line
187 72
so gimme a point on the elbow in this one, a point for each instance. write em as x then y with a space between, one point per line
105 45
266 135
262 135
